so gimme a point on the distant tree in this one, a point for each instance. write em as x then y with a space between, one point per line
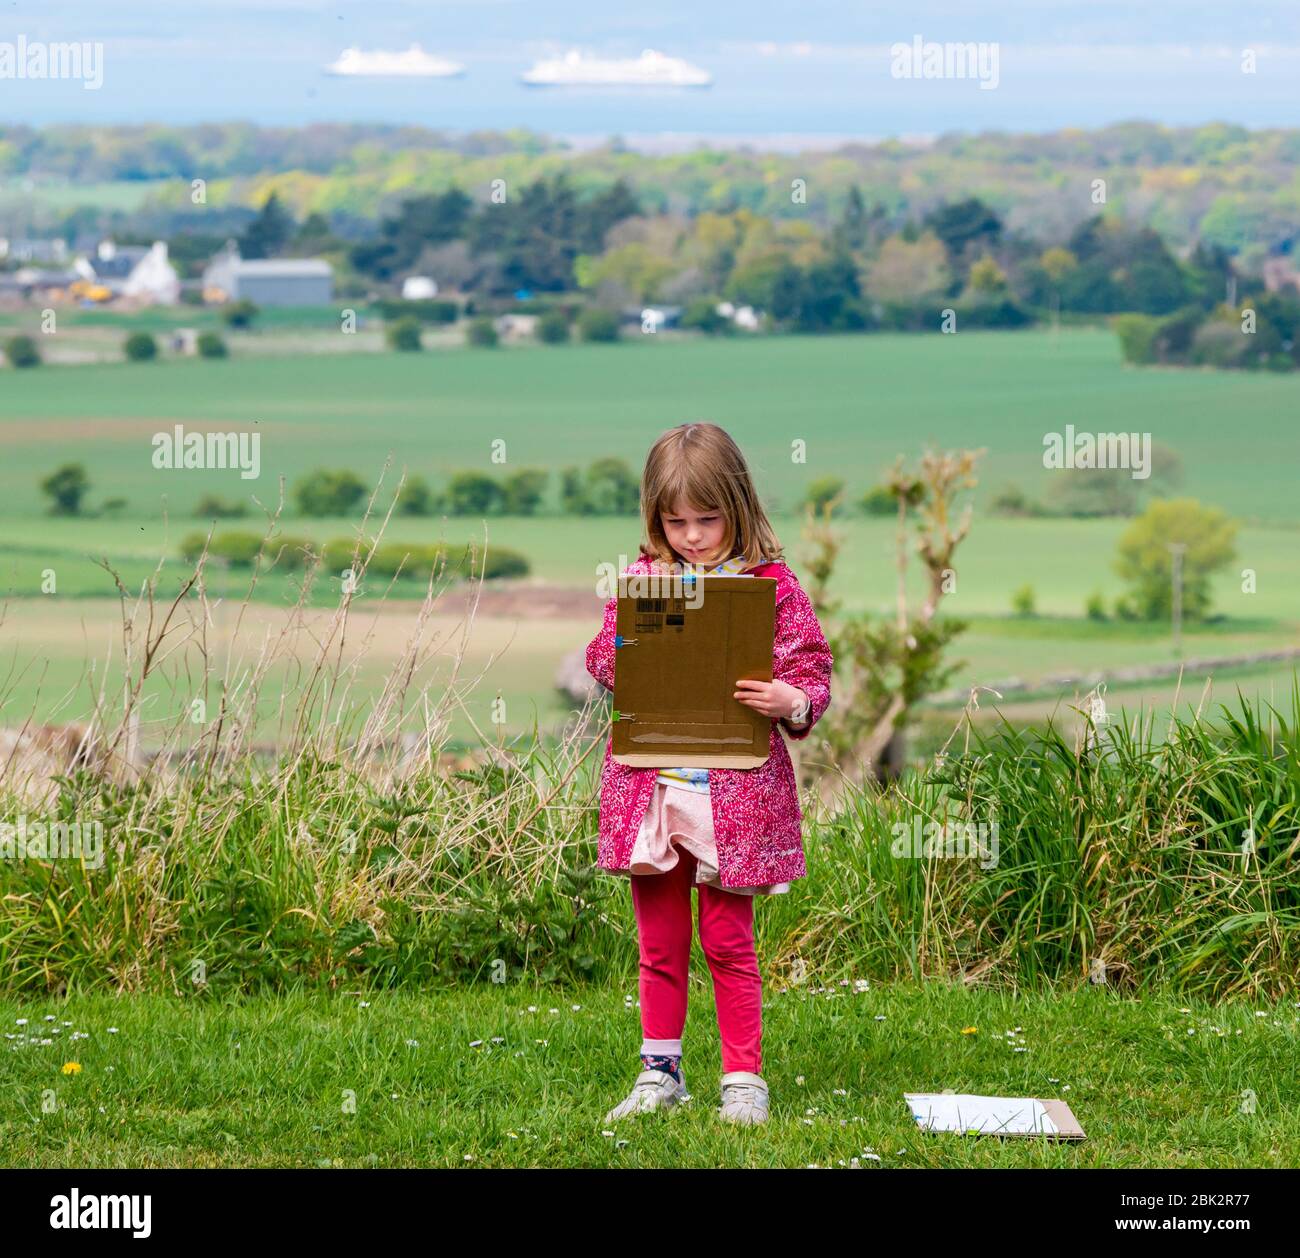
851 230
522 492
823 297
472 493
1146 562
965 223
240 314
610 206
210 345
537 236
769 282
1282 312
423 310
482 333
878 500
416 498
190 252
1209 273
1176 333
1220 342
1155 284
1166 470
573 494
212 507
553 328
1012 500
1137 337
634 268
598 325
986 278
1094 491
66 486
269 232
1022 601
420 224
822 493
1090 288
1122 268
908 273
313 236
21 351
324 492
1057 263
403 334
702 313
140 347
611 488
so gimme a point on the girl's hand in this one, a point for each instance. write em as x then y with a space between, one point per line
775 699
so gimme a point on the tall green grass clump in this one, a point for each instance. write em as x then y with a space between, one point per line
1123 856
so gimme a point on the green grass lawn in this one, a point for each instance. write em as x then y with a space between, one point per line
477 1077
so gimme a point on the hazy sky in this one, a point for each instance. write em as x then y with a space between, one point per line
807 67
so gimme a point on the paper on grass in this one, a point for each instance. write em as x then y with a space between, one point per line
987 1115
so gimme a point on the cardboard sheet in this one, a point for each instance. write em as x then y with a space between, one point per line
993 1115
681 646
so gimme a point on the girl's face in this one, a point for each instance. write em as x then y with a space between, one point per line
695 534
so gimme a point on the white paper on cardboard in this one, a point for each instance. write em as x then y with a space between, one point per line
986 1115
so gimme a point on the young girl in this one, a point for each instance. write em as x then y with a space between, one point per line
733 833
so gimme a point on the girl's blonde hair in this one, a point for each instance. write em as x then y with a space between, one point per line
699 465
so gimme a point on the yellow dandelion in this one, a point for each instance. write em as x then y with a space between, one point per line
970 1030
71 1067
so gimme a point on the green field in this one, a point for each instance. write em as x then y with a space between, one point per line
856 403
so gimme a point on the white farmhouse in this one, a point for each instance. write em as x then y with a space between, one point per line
136 271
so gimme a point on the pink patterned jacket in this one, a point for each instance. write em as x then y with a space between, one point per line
757 821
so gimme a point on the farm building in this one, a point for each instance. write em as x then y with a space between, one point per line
137 271
35 252
268 281
655 318
39 284
516 327
419 288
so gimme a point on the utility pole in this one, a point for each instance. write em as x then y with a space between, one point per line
1178 549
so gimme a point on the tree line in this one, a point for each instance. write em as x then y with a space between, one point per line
607 486
865 270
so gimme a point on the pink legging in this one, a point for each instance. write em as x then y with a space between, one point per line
663 917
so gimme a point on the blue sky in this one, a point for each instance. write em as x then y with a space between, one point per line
808 68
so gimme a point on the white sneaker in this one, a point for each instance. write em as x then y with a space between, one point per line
654 1089
744 1097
